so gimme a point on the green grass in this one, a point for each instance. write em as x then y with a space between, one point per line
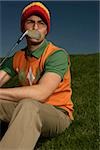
83 133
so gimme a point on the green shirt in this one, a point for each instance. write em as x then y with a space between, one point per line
57 62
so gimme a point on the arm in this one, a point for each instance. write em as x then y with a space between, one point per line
4 77
6 71
55 68
40 92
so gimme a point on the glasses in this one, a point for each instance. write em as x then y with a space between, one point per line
40 24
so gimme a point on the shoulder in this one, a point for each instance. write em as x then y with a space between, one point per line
18 55
19 52
60 55
57 62
56 50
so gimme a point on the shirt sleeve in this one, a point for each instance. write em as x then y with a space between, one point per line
57 63
8 67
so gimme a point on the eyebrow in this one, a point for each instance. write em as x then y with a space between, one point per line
39 21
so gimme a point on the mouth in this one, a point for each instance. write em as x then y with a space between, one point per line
34 34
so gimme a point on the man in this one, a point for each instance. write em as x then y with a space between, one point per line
42 104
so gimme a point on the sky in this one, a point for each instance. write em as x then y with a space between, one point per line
74 25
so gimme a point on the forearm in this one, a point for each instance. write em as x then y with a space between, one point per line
40 92
18 93
4 77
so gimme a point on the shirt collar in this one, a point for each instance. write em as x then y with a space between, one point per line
39 51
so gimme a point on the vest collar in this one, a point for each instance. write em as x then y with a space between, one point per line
39 51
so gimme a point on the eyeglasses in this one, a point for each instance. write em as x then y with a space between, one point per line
40 24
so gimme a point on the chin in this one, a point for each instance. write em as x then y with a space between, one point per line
35 42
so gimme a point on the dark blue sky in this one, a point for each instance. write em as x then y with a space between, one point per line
74 25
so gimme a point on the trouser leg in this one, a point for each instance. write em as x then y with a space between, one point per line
31 119
24 128
6 110
0 130
54 121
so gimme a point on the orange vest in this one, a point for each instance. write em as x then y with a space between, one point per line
62 95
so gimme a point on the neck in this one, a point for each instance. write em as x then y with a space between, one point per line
33 47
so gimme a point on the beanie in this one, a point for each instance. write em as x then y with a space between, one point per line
36 8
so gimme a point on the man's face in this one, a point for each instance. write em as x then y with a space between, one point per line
36 23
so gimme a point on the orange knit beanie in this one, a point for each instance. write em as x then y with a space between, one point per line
36 8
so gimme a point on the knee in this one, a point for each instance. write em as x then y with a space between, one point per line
27 111
29 105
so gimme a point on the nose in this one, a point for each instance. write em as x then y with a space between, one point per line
35 26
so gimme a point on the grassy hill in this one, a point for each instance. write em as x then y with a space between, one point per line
83 134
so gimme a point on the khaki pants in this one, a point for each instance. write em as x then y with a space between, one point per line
28 119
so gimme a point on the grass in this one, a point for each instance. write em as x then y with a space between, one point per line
83 133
